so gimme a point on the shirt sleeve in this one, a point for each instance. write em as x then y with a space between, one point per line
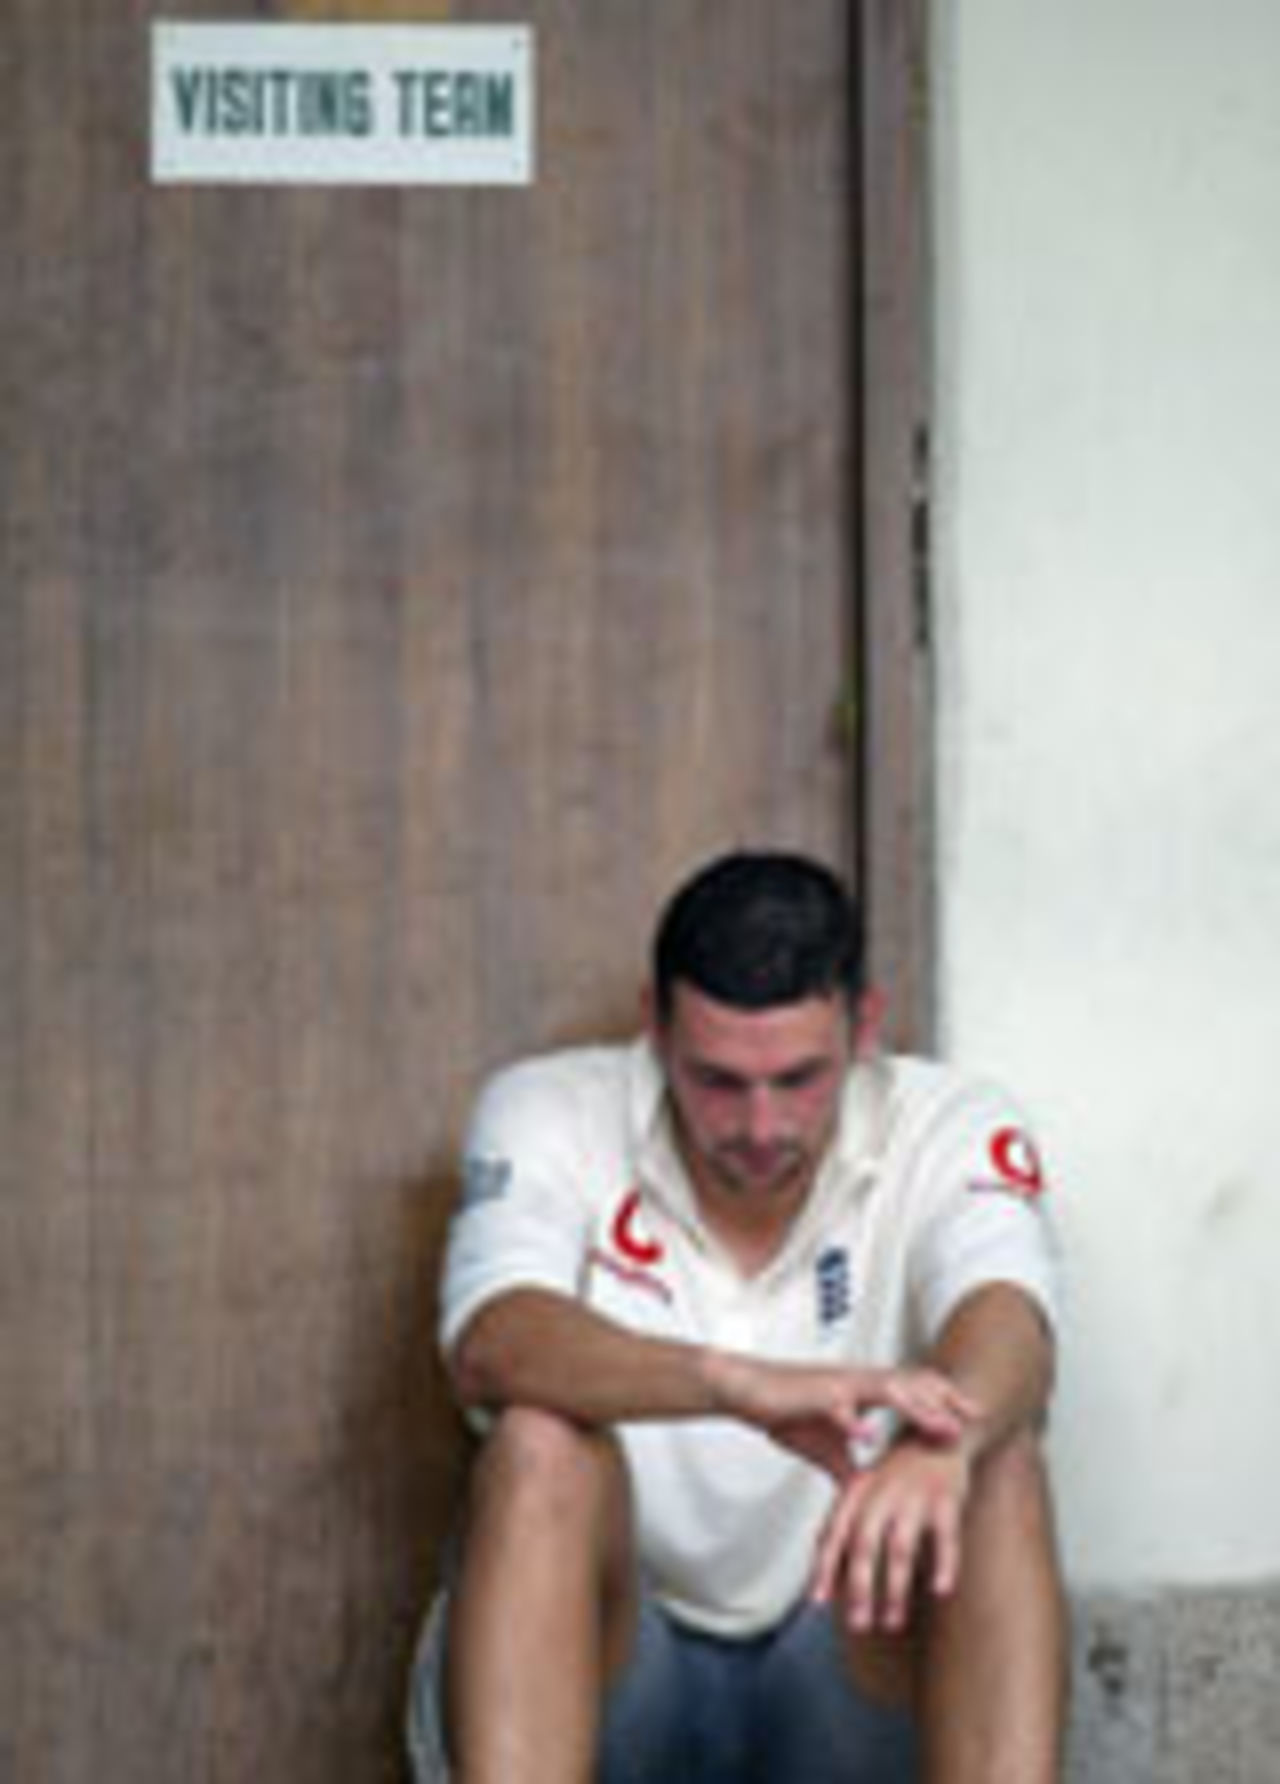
522 1219
985 1218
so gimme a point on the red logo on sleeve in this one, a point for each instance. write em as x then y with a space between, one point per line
627 1239
1017 1163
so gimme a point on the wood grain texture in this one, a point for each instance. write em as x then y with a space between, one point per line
397 590
895 645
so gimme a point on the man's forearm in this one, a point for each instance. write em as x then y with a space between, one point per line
532 1347
997 1348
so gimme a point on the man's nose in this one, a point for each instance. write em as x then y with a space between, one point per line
762 1114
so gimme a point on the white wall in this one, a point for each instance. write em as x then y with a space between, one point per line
1107 192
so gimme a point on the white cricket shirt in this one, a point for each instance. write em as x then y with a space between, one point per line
572 1182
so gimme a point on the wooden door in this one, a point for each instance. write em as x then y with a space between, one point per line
397 590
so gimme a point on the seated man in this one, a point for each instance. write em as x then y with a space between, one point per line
758 1320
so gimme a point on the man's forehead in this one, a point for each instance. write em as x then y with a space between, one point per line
758 1038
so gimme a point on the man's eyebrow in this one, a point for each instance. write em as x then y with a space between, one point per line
710 1068
811 1066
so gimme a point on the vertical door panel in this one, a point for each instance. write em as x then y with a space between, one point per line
397 590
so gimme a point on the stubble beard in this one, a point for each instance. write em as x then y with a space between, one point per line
780 1172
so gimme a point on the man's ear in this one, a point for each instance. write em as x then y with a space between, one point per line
868 1022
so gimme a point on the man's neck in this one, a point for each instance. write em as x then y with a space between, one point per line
751 1230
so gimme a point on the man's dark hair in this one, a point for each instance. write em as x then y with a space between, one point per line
758 930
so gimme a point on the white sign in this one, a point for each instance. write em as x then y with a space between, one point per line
367 105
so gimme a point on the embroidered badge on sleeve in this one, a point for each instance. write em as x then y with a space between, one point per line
484 1180
1018 1171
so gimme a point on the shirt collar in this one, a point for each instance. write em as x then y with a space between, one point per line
659 1165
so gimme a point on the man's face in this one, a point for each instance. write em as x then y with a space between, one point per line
756 1092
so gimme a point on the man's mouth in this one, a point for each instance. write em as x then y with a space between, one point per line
761 1164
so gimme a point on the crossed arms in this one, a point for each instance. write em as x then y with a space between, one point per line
988 1375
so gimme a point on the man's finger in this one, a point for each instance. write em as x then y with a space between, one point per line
946 1550
833 1541
864 1556
902 1549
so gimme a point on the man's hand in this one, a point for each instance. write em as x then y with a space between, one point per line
900 1522
822 1412
893 1519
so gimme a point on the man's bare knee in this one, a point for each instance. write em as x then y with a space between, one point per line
543 1479
541 1457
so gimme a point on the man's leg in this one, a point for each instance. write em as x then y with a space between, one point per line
992 1683
817 1724
544 1605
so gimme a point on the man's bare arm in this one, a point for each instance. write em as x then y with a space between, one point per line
998 1348
532 1347
910 1506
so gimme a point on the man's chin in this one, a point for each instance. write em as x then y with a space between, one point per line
768 1181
